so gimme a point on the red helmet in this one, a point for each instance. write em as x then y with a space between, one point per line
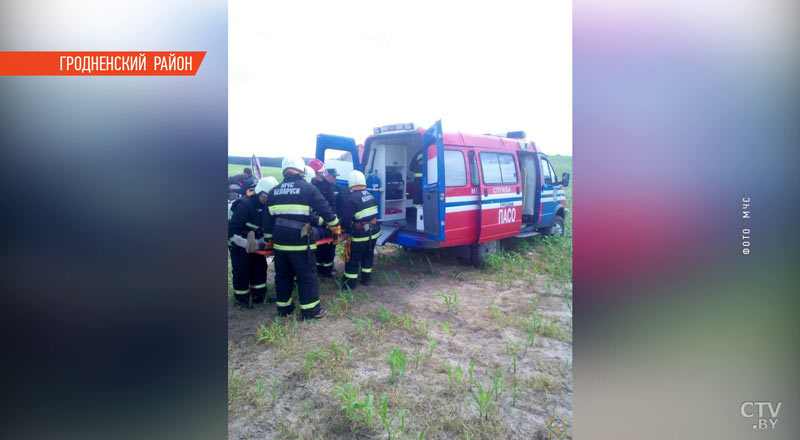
317 165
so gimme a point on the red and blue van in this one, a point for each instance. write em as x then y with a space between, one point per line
454 190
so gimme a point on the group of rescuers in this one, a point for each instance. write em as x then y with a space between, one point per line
291 216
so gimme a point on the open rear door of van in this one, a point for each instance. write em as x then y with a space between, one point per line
433 177
338 153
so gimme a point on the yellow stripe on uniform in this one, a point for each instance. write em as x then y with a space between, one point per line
284 304
241 292
375 236
333 222
350 275
258 286
366 212
357 239
290 209
252 225
309 306
288 247
366 269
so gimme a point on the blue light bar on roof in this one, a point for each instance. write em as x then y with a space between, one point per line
393 127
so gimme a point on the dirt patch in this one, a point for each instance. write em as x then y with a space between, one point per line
510 334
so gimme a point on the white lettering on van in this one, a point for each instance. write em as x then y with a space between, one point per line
506 215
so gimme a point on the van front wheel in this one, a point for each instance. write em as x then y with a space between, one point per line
479 252
556 228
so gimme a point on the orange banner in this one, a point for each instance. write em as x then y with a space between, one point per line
100 63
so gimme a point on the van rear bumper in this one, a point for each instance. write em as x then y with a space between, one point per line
412 240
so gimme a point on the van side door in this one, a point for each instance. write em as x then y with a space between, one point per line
433 188
501 195
548 199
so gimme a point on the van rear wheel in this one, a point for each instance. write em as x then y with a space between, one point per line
479 252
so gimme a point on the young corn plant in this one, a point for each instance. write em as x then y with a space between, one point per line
431 346
272 334
450 301
494 311
259 389
234 387
497 383
513 349
388 422
354 409
430 266
471 373
455 375
386 316
515 392
275 392
446 328
482 399
311 357
397 363
364 326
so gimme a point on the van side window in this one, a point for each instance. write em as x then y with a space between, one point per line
498 168
455 172
547 175
553 172
473 170
432 165
491 168
508 168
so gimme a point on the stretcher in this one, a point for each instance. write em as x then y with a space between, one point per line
268 252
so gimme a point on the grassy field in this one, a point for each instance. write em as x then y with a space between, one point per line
432 349
266 171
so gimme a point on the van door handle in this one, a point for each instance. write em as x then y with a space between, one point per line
485 192
517 190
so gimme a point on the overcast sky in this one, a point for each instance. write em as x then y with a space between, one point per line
297 69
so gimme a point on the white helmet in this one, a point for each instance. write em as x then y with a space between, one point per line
356 178
310 173
293 162
266 184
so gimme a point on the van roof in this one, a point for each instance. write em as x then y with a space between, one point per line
472 140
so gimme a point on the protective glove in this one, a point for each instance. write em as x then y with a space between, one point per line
336 230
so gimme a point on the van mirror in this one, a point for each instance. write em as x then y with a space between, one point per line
565 179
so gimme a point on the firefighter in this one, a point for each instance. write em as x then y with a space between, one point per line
360 220
290 206
249 270
325 252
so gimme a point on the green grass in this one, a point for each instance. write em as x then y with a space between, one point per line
265 171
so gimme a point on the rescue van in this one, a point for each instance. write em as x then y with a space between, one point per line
453 190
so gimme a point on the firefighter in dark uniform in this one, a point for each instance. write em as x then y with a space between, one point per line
291 205
325 252
360 220
249 270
